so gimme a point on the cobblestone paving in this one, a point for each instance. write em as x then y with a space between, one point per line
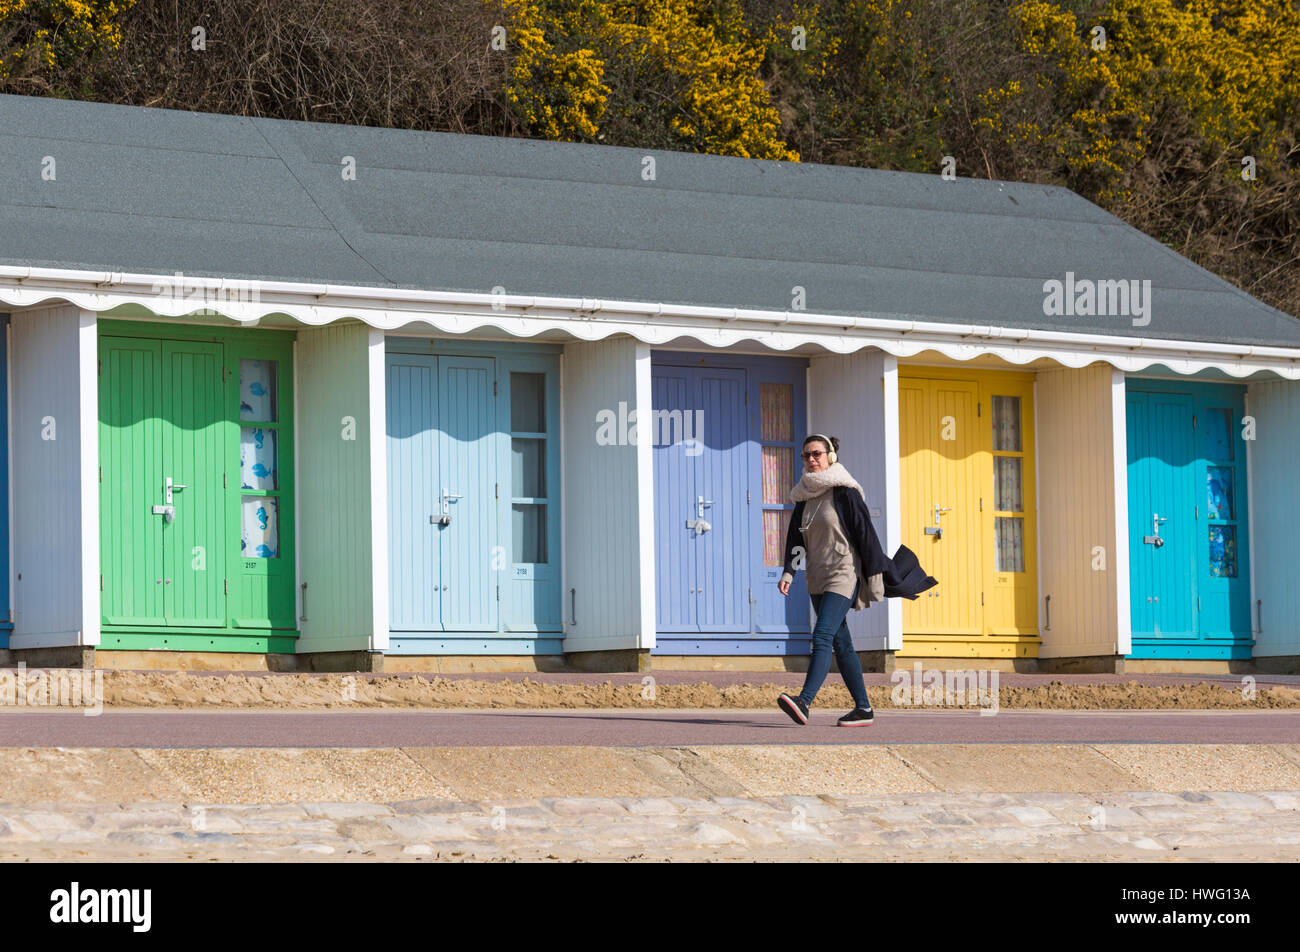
947 827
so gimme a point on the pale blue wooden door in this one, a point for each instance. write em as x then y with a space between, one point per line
1162 503
723 552
469 452
674 501
414 557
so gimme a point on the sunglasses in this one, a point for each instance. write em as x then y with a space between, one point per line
815 454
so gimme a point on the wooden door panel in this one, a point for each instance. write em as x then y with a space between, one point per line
194 445
130 447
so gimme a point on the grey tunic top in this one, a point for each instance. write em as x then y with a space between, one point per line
833 564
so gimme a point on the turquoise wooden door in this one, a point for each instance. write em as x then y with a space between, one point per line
446 552
1161 501
1189 581
6 614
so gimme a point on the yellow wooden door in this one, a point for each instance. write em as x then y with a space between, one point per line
939 442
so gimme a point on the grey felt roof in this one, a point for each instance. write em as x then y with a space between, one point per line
160 191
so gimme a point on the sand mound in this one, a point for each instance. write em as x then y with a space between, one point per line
342 691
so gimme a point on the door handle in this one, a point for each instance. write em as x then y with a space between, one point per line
447 496
939 510
1154 538
168 487
700 503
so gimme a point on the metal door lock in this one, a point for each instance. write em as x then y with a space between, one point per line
1154 538
167 512
440 520
936 531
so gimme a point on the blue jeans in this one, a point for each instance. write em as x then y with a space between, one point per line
833 631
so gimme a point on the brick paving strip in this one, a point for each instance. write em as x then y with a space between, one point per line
935 802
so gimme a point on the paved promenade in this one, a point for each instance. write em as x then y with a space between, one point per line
878 802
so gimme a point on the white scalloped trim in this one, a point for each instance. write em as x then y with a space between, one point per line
661 328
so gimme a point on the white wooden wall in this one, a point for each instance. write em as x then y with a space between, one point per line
854 397
1273 460
342 489
54 382
1082 512
608 518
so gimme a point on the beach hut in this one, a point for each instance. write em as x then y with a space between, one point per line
288 394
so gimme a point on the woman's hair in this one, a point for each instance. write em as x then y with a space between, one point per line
818 438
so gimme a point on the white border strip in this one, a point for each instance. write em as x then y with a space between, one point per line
587 319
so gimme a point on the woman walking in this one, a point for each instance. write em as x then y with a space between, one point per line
832 538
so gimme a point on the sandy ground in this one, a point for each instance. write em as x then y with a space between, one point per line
183 690
936 803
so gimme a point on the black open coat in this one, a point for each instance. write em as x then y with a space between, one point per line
902 575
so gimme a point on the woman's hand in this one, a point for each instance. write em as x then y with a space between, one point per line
783 586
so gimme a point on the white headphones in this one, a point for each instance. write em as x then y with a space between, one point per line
831 456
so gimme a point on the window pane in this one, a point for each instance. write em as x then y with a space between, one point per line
260 535
257 459
778 473
529 532
775 525
1223 551
1006 424
1010 532
1218 488
528 403
1007 489
257 390
776 401
1218 434
528 467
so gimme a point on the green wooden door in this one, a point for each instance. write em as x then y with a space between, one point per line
194 432
161 436
130 480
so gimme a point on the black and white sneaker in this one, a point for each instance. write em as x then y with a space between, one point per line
858 717
794 707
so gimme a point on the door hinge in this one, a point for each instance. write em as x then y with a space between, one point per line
981 503
223 480
1198 603
101 474
496 490
979 408
494 388
227 586
746 497
751 595
746 397
1196 510
498 593
1193 421
981 598
101 583
101 368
